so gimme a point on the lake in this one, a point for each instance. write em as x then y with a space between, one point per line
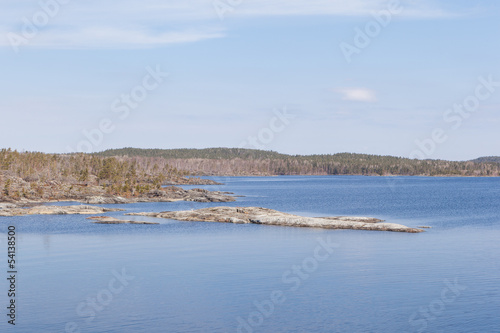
76 276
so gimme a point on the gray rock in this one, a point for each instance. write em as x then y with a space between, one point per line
56 210
112 220
99 200
267 216
5 205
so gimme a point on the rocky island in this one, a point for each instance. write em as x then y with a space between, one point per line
258 215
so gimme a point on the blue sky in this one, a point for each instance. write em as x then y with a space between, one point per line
230 72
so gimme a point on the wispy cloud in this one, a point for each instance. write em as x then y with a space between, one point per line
422 8
111 37
357 94
128 23
106 23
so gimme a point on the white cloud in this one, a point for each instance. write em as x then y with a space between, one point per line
110 37
412 8
107 23
357 94
130 23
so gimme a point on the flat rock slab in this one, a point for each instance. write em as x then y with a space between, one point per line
352 219
112 220
258 215
5 205
56 210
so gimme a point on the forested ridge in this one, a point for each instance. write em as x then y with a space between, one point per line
488 159
187 153
132 172
239 161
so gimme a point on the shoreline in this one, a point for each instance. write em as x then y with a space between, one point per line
266 216
238 215
166 194
353 175
222 214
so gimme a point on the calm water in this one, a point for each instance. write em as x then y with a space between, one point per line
211 277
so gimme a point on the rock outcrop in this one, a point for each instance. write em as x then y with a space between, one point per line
112 220
56 210
267 216
166 194
173 193
192 181
101 200
6 205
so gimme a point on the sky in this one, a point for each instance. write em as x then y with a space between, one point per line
409 78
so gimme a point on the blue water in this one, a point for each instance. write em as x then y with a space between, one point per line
217 277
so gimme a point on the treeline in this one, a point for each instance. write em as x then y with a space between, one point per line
487 159
30 174
207 153
136 172
241 162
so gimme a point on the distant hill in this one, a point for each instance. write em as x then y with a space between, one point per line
208 153
246 162
487 159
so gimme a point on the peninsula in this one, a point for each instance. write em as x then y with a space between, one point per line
32 178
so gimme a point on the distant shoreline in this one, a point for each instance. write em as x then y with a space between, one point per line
239 162
375 176
39 177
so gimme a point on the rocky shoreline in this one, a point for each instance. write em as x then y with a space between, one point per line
192 181
167 194
238 215
112 220
258 215
56 210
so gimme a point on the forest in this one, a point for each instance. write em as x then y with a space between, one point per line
488 159
133 172
246 162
